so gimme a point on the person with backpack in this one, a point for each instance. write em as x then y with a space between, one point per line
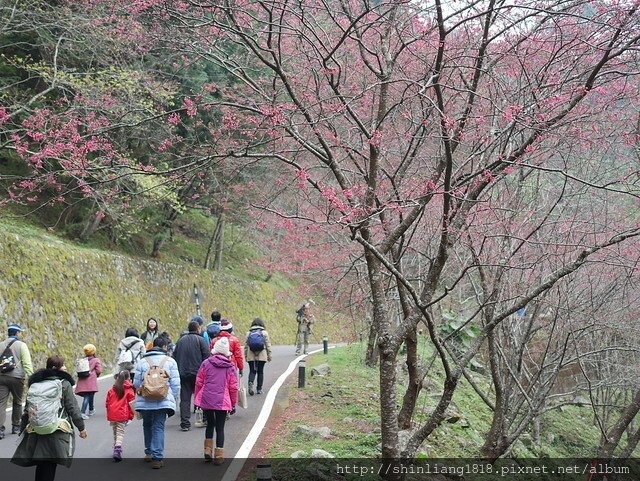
15 367
211 332
87 385
130 351
48 419
191 349
305 320
257 352
226 331
170 345
157 384
149 335
217 395
119 411
213 328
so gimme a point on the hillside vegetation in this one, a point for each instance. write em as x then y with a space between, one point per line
348 402
68 294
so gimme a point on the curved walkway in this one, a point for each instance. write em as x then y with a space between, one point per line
92 461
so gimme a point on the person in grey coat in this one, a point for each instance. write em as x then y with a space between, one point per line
47 451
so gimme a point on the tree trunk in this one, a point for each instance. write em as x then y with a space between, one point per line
537 431
496 442
371 358
219 244
215 245
160 239
608 445
607 448
632 442
415 382
90 227
434 421
388 388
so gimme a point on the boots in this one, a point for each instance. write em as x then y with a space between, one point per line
219 456
208 450
117 453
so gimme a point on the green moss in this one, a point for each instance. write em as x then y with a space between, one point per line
68 295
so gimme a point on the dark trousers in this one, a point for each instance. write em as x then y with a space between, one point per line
13 386
215 420
46 471
257 367
187 386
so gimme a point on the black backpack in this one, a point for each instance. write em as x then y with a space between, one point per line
7 361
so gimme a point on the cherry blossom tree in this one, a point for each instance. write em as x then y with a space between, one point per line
482 148
414 124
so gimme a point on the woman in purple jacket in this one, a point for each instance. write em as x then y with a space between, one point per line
217 394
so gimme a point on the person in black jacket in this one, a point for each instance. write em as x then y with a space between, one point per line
46 451
191 349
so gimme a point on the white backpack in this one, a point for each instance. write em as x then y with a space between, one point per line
127 359
44 406
83 369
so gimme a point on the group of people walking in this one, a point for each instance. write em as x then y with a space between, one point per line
152 375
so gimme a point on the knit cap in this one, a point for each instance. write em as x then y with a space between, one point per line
89 350
221 347
225 325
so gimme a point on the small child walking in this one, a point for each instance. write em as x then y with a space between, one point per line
119 410
87 387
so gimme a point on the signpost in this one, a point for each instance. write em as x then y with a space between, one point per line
196 297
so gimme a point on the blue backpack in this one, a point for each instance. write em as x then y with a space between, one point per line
255 341
213 329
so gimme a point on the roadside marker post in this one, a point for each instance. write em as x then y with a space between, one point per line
301 373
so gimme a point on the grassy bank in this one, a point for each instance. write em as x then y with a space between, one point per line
347 400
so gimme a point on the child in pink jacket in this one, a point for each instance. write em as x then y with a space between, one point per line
217 394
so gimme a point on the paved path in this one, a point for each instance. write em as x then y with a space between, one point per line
94 453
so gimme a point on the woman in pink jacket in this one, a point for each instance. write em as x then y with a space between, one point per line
217 394
87 387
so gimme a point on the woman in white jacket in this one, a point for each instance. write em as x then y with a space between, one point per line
130 351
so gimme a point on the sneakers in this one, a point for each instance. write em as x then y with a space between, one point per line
84 416
251 389
184 428
117 453
157 464
15 429
1 432
147 458
259 391
92 412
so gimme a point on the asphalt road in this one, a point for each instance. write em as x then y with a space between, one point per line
92 461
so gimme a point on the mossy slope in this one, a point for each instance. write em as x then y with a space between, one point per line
68 295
